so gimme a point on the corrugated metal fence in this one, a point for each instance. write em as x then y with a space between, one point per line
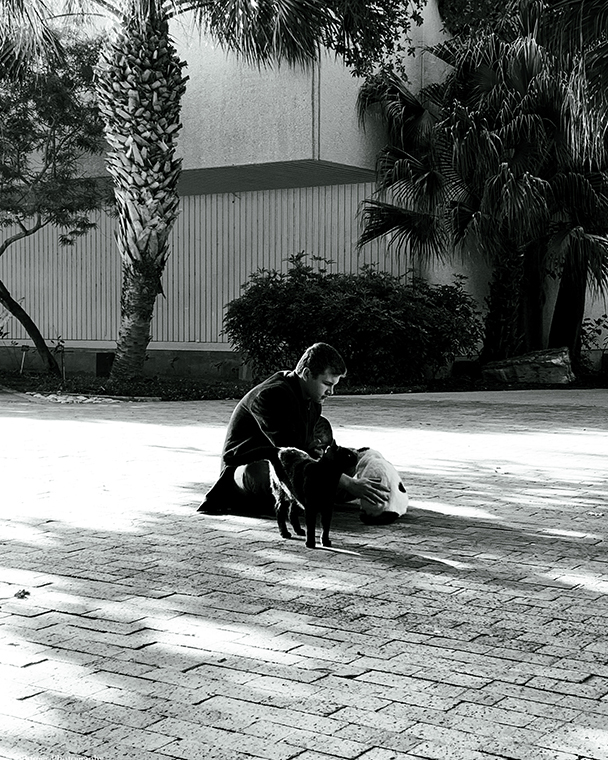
218 240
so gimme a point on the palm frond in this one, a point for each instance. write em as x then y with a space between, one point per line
581 197
586 114
476 234
25 35
520 204
530 16
447 52
421 234
433 96
394 167
526 61
114 8
524 142
483 82
576 24
596 63
411 182
462 215
407 120
586 253
484 49
267 30
389 92
477 151
579 29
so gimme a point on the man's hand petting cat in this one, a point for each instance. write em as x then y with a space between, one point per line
370 489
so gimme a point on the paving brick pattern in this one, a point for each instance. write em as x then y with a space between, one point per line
473 629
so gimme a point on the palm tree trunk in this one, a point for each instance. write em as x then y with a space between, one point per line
533 297
503 336
569 309
139 291
15 308
140 85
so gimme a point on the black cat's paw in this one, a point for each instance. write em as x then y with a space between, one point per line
285 534
326 542
311 544
300 531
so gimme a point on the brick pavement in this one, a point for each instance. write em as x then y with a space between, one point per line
474 629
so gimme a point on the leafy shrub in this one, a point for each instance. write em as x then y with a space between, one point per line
594 333
467 16
388 330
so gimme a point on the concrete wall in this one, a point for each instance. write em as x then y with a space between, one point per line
236 114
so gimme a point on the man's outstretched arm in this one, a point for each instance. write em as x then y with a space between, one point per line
368 489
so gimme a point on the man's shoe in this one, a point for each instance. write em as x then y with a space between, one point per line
212 507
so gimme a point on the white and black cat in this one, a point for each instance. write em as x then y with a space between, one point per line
310 484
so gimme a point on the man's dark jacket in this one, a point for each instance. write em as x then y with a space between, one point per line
274 414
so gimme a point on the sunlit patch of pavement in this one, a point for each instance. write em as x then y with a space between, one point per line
473 628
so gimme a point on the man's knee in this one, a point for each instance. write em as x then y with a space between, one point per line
254 478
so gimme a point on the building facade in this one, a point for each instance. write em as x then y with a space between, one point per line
275 162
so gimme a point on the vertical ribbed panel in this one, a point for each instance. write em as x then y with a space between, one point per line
72 292
218 240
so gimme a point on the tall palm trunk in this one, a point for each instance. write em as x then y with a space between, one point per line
533 297
140 85
569 312
503 325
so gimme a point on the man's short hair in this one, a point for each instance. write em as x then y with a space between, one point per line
320 358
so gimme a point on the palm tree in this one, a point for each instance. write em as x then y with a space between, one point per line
577 32
25 34
580 28
140 84
493 162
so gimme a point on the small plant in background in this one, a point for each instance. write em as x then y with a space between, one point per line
594 333
389 331
593 340
5 317
58 350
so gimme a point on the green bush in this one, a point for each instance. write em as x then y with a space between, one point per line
388 330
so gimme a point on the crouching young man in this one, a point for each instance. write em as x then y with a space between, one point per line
283 410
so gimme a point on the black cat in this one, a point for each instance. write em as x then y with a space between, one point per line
312 483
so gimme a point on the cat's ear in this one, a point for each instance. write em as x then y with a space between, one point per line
330 450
